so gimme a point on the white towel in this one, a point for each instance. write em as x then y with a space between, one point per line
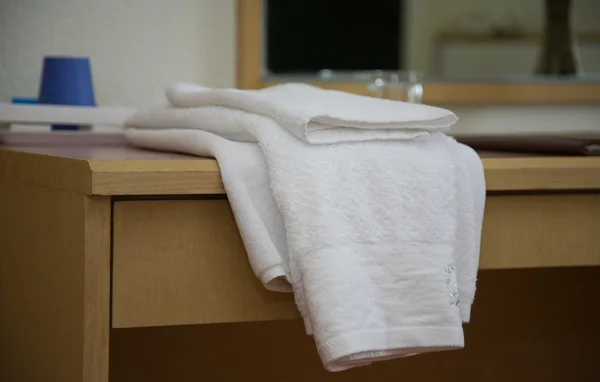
321 116
226 123
377 253
245 177
471 204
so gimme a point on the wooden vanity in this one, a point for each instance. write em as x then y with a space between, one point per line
126 265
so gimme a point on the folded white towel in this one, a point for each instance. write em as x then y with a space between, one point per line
321 116
382 236
244 173
226 123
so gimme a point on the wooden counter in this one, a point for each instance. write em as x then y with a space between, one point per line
129 171
112 255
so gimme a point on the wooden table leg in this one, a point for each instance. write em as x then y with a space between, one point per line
54 285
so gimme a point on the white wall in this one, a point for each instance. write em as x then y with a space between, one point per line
137 47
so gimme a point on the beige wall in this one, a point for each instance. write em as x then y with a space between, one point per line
137 47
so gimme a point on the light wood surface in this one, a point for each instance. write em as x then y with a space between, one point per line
541 173
54 285
130 171
527 325
251 75
111 170
527 231
193 247
178 262
183 262
96 288
249 35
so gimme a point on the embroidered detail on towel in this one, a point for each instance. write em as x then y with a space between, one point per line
452 285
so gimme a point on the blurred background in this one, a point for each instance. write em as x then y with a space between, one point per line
444 40
138 47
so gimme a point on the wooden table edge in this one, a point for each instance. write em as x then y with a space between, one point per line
201 176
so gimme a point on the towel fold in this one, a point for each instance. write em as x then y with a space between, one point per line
378 239
226 123
321 116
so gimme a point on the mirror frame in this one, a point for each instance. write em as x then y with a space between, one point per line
250 75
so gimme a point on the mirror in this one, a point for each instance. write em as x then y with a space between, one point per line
460 40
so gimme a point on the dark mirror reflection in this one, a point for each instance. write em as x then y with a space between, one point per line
474 40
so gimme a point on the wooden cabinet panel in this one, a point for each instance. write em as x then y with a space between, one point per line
532 231
534 325
181 262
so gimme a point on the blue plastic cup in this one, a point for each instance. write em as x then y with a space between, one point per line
67 81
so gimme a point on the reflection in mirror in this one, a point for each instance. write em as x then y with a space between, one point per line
473 40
